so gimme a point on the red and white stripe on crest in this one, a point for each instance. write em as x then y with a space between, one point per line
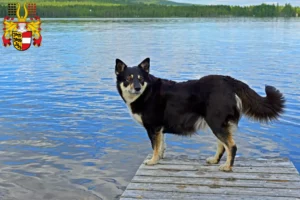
26 40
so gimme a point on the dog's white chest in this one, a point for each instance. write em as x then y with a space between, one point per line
135 116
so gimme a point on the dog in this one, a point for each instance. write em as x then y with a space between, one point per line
165 106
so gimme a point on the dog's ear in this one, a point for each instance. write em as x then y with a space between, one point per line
145 65
120 66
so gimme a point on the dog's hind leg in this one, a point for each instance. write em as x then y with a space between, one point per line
222 116
225 135
219 153
231 149
156 138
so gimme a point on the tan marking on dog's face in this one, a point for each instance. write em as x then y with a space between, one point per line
128 92
131 86
129 78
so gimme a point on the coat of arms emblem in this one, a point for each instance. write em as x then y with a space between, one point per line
22 32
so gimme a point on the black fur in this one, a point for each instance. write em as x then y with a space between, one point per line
176 106
233 153
219 156
262 109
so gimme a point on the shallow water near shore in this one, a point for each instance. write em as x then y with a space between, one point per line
66 133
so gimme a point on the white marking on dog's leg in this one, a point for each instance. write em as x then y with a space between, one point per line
157 145
219 153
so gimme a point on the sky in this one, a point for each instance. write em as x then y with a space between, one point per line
240 2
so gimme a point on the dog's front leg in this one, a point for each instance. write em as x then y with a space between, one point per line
156 138
162 147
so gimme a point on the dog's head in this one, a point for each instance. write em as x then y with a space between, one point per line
132 81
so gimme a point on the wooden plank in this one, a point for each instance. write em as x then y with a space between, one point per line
213 168
189 177
192 156
216 182
175 159
237 163
141 194
218 174
178 156
271 192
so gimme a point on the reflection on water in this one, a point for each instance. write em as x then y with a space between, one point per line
66 134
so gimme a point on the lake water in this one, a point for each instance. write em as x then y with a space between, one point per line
65 132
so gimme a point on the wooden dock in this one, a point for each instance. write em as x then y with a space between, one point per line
185 177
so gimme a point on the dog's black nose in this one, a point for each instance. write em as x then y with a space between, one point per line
137 89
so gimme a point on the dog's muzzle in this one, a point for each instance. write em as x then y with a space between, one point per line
137 86
135 91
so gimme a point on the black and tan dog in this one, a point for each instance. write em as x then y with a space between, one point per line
165 106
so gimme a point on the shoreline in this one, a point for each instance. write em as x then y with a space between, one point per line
58 10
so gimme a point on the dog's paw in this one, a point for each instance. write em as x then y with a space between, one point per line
212 160
225 168
150 162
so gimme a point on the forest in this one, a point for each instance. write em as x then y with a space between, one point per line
113 9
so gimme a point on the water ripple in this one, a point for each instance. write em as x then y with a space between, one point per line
65 132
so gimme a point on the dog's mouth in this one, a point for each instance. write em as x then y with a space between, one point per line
134 92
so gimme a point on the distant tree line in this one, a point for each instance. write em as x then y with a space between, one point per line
142 10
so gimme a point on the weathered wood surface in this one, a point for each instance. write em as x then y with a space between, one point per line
186 177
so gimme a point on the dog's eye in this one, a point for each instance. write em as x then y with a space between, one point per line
140 78
129 78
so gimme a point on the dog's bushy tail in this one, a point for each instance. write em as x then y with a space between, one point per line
263 109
